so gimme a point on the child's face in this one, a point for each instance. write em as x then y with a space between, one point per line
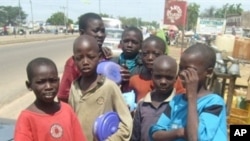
131 44
150 51
164 77
44 83
87 57
195 61
97 30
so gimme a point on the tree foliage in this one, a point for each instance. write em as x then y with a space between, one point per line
192 15
131 21
209 12
10 15
104 15
232 9
58 18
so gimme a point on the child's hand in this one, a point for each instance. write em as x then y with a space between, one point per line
191 80
125 73
107 52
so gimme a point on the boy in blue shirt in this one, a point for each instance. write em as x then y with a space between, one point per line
199 114
164 74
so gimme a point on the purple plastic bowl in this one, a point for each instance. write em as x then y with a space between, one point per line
106 125
111 70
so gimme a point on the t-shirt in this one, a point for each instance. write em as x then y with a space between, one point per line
212 118
105 97
142 86
60 126
70 73
147 115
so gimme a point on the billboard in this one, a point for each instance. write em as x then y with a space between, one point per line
210 26
175 12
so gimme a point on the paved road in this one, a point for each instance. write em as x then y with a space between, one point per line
10 39
14 58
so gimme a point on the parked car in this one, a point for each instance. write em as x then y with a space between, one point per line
113 38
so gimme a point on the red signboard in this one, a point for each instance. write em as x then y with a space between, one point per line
175 12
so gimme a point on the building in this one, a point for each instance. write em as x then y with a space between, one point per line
241 23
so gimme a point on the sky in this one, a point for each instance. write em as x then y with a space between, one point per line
147 10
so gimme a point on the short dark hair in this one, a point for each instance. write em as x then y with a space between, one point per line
81 38
160 42
38 62
135 29
85 18
208 54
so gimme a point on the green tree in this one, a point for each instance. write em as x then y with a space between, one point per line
137 22
10 15
131 21
234 9
192 15
212 12
221 12
209 12
58 18
104 15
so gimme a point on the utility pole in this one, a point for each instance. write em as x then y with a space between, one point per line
19 13
32 16
66 19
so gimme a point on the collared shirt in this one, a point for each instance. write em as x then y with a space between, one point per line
212 119
105 97
70 73
135 65
142 86
147 115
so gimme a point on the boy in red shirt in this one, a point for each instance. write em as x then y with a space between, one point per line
45 119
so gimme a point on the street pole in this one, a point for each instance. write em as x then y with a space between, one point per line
32 16
19 14
66 18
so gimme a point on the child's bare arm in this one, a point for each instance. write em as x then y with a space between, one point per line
168 135
191 79
107 52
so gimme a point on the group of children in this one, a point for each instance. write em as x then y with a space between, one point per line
166 110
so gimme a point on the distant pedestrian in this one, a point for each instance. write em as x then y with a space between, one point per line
233 31
5 30
14 31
